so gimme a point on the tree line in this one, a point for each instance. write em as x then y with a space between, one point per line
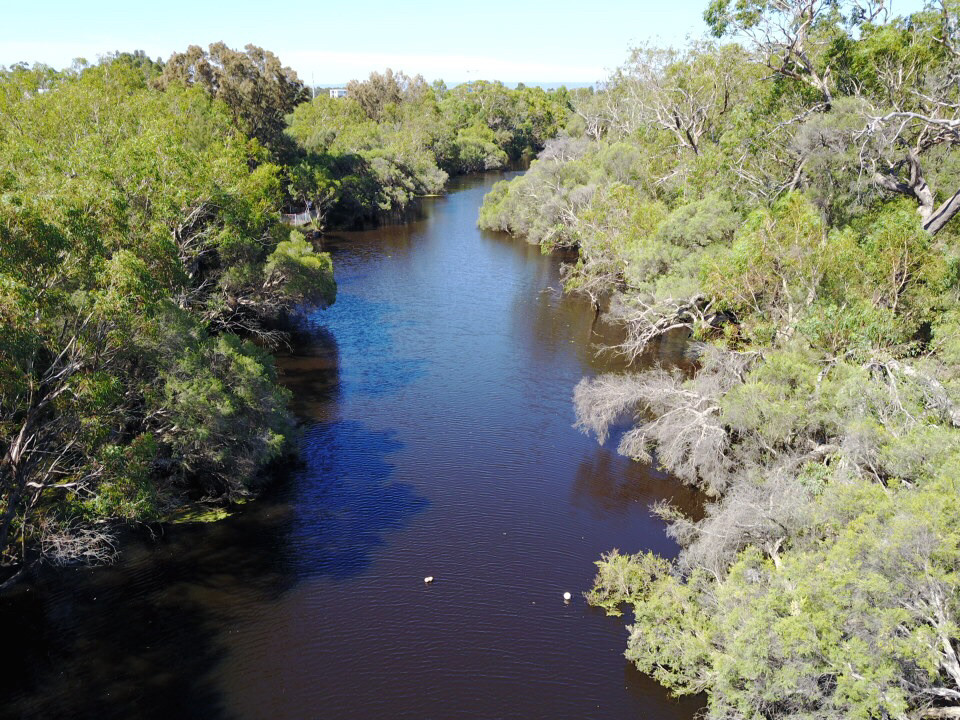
395 137
146 273
785 195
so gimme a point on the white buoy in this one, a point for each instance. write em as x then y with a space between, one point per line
567 596
428 579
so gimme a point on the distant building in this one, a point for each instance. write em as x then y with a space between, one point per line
338 92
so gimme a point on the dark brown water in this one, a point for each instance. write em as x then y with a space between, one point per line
437 441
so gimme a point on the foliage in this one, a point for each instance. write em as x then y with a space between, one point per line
394 138
306 276
258 90
141 256
856 620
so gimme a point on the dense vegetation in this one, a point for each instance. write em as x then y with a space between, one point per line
394 138
146 273
788 202
140 255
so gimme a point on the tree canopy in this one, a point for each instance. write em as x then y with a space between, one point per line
256 87
143 269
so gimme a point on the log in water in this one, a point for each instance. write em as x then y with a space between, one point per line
437 442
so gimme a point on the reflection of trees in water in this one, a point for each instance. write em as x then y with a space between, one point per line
668 351
551 321
394 227
610 483
655 701
312 372
548 324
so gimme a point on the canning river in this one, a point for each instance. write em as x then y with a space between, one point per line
435 398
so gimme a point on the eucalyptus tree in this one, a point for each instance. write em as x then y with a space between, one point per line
686 94
898 78
257 88
793 37
141 250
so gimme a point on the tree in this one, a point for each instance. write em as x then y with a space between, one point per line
915 66
857 620
383 92
256 87
139 239
791 36
903 72
685 94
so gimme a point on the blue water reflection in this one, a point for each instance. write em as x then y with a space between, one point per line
347 499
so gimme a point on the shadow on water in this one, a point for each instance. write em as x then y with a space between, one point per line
609 483
148 633
144 634
347 499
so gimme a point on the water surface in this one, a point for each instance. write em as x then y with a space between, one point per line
437 440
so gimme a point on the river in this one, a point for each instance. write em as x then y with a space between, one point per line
435 397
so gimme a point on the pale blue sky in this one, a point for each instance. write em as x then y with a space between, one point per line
327 42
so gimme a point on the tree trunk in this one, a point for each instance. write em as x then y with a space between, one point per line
916 187
944 712
937 220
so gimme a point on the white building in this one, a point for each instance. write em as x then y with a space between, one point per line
338 92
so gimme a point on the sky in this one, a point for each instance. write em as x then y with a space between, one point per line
329 43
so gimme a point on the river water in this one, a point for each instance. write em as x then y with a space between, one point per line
437 440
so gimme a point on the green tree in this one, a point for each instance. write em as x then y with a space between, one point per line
139 237
256 87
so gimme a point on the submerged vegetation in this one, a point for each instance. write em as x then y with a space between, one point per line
787 201
146 273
